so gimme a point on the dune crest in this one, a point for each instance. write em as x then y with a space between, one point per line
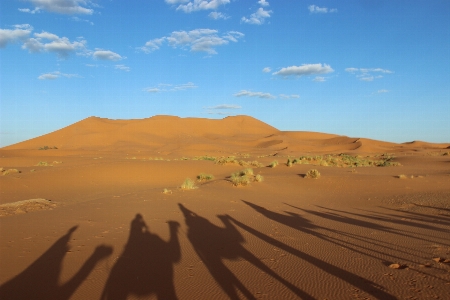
172 134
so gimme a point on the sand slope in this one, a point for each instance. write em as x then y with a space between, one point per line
169 134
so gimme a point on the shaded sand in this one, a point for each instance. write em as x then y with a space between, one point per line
111 232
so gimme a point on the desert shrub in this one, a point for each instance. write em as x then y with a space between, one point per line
313 173
259 178
446 153
204 177
238 179
9 171
273 164
166 191
289 162
402 176
43 164
188 184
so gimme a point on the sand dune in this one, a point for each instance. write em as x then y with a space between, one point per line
170 134
89 220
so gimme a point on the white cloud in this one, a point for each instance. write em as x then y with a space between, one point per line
263 3
319 79
257 18
267 70
60 6
218 15
122 67
382 91
198 40
50 42
176 1
293 96
152 90
56 74
106 55
304 70
321 10
366 74
77 19
163 87
225 106
254 94
197 5
27 10
20 33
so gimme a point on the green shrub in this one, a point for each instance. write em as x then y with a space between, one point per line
313 173
273 164
188 184
259 178
204 177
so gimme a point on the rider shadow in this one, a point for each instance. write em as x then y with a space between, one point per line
41 279
213 244
146 265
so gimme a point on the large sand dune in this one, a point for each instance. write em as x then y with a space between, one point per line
89 220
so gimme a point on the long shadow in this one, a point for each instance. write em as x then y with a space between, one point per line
41 279
213 244
358 282
146 265
297 222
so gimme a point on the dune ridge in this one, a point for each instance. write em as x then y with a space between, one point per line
172 134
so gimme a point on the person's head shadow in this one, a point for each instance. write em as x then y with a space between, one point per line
145 266
41 279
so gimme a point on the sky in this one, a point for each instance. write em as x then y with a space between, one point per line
377 69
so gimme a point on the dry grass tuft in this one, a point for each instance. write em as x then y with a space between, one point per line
204 177
188 184
313 173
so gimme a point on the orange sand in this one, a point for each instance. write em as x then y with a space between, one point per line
97 225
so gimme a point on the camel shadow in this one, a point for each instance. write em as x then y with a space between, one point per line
213 244
145 266
41 279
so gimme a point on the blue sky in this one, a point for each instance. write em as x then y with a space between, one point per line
362 68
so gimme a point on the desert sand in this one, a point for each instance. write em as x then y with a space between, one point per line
83 214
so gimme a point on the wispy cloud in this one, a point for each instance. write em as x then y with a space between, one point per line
367 74
245 93
77 19
321 10
56 74
164 87
20 33
257 18
106 55
319 79
382 91
225 106
60 6
122 67
293 96
197 5
198 40
304 70
218 15
267 70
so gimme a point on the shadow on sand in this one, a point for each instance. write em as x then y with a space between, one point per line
41 279
297 222
146 265
213 244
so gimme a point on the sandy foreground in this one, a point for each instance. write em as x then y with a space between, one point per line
97 225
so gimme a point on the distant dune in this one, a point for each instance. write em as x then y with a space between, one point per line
170 134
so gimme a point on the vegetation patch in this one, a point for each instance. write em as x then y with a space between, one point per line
273 164
204 177
231 160
313 173
25 206
245 177
188 184
402 176
43 164
47 148
9 171
346 160
167 191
